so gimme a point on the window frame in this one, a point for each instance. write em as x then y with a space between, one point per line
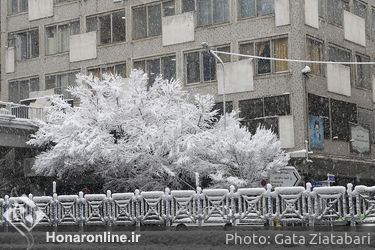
17 81
29 45
212 23
57 42
272 55
19 11
201 64
147 6
58 89
98 30
160 58
101 67
341 24
255 10
356 72
321 54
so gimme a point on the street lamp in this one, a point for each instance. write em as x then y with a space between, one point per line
207 48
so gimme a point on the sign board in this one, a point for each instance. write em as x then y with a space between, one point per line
285 177
360 139
316 132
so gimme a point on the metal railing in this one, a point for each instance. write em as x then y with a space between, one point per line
245 206
23 111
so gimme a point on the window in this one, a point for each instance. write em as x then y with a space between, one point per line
64 1
20 89
119 69
200 66
246 49
212 12
360 9
335 10
264 112
61 83
320 8
253 8
219 106
26 44
373 23
366 118
279 50
57 37
147 19
314 52
363 73
188 5
17 6
156 66
319 106
342 114
110 27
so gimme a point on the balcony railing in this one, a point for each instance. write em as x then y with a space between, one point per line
22 111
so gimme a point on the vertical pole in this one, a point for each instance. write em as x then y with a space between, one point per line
233 205
108 208
137 216
6 207
167 207
54 211
351 204
80 210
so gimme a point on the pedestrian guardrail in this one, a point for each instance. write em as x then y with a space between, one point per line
244 206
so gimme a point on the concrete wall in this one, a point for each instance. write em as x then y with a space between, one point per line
178 29
39 9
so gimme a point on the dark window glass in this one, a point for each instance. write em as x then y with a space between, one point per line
335 10
24 89
105 29
252 108
360 9
363 73
271 123
13 95
192 67
366 118
153 70
246 49
188 5
265 7
169 9
224 57
169 67
204 12
209 67
140 65
140 23
34 37
34 84
343 113
24 5
246 8
121 70
21 46
92 24
221 11
154 20
219 107
263 50
118 24
50 82
277 105
319 106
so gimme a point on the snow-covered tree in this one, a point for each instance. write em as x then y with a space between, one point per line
136 136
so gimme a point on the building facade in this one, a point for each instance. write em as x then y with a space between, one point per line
44 43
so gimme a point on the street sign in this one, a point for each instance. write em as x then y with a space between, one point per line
285 177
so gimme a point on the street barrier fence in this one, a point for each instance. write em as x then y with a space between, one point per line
244 206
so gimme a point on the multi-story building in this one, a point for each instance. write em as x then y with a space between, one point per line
45 42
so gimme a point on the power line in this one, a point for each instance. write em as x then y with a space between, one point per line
292 60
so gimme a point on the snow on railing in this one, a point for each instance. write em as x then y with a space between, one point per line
245 206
